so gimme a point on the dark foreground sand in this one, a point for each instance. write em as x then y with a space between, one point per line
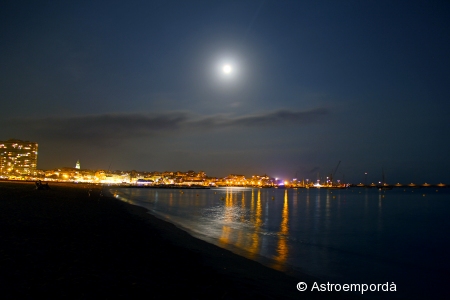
64 243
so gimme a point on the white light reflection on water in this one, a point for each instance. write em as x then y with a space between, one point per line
344 236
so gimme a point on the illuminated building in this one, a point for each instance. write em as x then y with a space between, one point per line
18 158
77 166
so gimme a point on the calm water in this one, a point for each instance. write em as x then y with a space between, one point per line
341 236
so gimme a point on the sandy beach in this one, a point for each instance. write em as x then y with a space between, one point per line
77 241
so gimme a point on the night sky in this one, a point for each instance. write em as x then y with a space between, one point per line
139 85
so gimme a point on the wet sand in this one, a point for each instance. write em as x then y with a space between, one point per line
77 241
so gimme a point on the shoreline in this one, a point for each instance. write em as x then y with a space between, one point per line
194 187
69 241
265 261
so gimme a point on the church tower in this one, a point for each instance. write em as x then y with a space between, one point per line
77 166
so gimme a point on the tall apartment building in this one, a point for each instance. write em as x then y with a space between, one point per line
18 158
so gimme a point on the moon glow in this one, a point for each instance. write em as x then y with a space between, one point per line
227 69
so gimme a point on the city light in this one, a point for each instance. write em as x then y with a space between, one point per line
18 161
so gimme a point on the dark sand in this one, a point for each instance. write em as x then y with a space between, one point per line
64 243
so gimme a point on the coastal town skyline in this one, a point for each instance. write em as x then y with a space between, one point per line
18 161
247 87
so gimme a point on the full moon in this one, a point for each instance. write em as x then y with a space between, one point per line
227 69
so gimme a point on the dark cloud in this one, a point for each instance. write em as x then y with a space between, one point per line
105 127
270 119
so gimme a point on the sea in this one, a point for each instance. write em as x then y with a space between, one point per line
398 237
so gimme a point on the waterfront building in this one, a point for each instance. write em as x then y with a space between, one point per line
18 158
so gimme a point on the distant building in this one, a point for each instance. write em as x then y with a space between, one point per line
77 166
18 158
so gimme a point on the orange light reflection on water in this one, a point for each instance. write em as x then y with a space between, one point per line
252 243
282 247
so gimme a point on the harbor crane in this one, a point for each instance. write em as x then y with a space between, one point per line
332 175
